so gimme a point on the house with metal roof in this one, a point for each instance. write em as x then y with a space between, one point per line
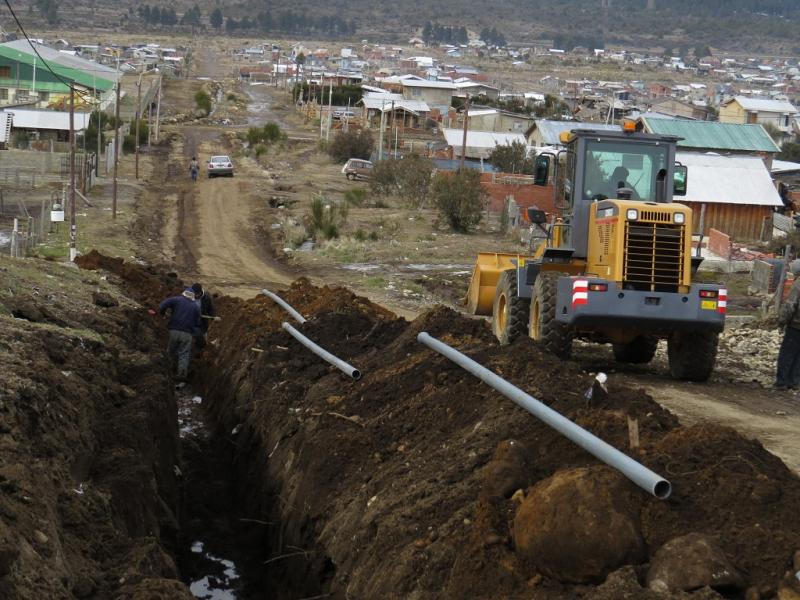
545 132
708 136
436 94
480 144
46 124
737 191
781 114
42 77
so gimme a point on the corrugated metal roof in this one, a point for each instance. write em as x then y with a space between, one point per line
85 72
784 166
718 179
385 104
551 130
424 83
46 119
764 105
713 135
481 139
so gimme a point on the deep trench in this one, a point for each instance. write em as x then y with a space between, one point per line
231 542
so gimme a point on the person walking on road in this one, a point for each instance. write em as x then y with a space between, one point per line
184 323
207 313
194 168
788 372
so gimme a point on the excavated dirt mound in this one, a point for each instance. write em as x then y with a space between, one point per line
88 440
401 485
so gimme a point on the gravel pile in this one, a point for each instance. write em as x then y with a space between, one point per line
749 355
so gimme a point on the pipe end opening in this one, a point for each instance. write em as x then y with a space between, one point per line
356 374
662 489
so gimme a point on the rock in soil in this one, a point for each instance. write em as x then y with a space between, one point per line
580 525
689 562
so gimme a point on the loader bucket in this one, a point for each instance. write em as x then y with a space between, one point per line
485 275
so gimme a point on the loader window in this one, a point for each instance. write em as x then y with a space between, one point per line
614 165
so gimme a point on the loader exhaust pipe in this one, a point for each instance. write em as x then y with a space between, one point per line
639 474
284 305
344 367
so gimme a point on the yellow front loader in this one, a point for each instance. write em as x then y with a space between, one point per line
615 265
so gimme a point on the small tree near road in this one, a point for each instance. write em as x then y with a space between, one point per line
459 198
512 158
408 177
203 101
216 18
356 143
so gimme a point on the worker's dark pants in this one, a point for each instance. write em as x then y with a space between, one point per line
789 358
180 345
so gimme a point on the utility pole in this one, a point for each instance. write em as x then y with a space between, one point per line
394 135
99 128
380 136
158 109
330 112
464 142
138 111
321 100
73 226
116 152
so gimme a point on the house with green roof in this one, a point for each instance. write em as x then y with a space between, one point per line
722 138
41 77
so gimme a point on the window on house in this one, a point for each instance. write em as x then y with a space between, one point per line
416 92
3 93
44 96
786 121
5 72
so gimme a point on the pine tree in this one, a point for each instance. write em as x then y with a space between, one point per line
216 18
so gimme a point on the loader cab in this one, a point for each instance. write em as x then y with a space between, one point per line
600 165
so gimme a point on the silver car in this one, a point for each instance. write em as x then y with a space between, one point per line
219 166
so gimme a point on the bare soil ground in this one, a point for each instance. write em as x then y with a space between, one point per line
406 484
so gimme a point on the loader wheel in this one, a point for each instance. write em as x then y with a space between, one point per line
509 312
553 336
638 351
692 354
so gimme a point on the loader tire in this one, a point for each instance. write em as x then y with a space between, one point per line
509 312
638 351
692 354
553 336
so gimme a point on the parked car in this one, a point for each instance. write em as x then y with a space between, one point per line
219 166
344 115
357 168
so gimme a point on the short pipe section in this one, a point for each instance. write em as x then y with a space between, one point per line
284 305
640 475
337 362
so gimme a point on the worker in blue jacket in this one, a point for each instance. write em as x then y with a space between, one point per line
184 324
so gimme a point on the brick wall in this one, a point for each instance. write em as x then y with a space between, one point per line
498 186
719 243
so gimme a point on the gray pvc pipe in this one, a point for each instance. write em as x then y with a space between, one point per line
285 306
344 367
636 472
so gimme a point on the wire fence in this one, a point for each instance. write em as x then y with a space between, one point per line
29 231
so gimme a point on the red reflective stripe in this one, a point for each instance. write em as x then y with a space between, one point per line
722 301
580 292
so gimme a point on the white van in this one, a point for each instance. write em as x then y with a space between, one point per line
357 168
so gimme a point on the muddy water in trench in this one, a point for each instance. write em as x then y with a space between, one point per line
211 552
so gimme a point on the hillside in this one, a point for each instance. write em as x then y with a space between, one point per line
759 26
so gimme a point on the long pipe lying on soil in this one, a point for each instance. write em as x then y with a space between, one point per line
284 305
344 367
636 472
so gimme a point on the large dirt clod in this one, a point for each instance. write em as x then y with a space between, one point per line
689 562
580 525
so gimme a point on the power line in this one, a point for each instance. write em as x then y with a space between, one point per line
44 62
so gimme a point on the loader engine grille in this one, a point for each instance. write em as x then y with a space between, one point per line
654 256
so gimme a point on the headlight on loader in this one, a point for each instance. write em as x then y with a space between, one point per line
679 218
632 214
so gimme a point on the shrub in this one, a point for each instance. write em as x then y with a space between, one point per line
355 143
408 177
260 149
459 198
203 101
231 97
355 196
511 158
267 134
326 218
